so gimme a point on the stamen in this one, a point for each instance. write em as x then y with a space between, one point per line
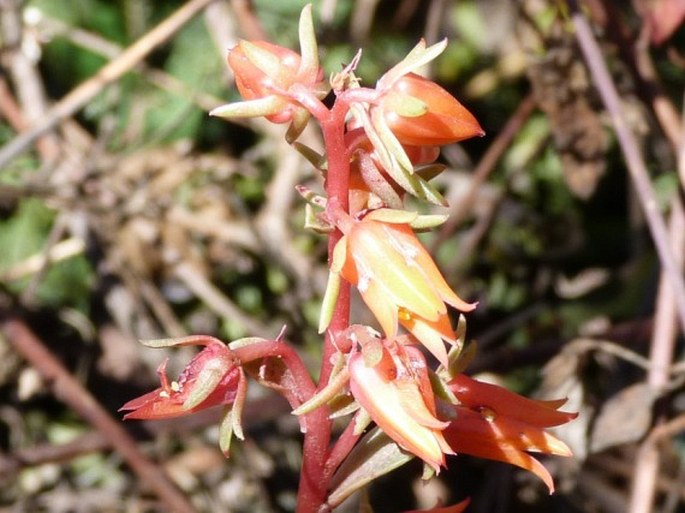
403 314
487 413
164 379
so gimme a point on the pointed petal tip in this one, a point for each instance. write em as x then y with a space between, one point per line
216 111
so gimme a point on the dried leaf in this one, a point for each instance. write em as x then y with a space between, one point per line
624 418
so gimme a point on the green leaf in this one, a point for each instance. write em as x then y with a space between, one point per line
418 56
226 433
375 455
393 216
330 299
192 340
427 222
404 105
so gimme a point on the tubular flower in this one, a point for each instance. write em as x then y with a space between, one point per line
420 112
213 377
262 68
495 423
269 77
396 392
398 279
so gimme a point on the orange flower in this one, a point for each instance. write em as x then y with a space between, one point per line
497 424
398 279
267 76
420 112
261 68
396 392
211 378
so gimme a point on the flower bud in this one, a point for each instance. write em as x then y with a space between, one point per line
211 378
420 112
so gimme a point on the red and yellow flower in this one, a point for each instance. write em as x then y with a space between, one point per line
495 423
397 278
262 69
394 388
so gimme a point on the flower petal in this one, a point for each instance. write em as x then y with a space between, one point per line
475 394
380 399
390 262
431 334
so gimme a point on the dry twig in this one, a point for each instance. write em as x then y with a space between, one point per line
485 166
633 158
85 92
69 390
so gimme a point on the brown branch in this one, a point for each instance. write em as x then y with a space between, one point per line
484 168
661 354
214 298
637 58
250 26
49 453
70 391
9 108
258 410
105 48
24 73
112 71
633 158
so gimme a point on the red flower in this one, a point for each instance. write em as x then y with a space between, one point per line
497 424
420 112
396 392
211 378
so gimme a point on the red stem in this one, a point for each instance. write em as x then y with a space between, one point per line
316 469
304 388
316 424
343 445
316 473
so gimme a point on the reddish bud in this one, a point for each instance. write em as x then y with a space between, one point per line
263 69
420 112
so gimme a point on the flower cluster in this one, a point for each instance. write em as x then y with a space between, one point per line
380 143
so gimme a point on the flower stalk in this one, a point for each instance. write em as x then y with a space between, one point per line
380 144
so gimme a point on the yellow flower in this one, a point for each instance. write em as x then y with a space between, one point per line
398 279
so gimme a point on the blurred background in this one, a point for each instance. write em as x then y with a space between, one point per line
127 213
